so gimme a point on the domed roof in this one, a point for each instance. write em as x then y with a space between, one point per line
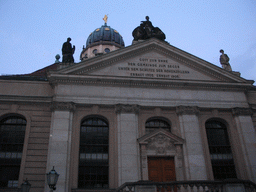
105 34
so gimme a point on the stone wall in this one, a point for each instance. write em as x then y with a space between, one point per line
34 158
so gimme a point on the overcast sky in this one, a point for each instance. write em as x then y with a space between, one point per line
32 31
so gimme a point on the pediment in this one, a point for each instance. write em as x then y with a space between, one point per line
159 137
152 63
149 61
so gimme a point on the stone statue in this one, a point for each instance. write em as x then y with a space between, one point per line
138 33
148 27
68 51
224 60
146 30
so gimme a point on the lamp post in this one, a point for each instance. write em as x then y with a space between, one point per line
25 187
52 178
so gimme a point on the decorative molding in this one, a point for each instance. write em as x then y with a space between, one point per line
121 81
160 144
120 108
160 141
63 106
187 110
242 111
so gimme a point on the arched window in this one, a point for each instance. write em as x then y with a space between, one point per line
156 123
12 133
223 166
93 160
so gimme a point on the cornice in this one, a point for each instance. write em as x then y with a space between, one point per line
94 80
27 99
192 64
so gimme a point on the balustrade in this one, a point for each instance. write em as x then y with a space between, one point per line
189 186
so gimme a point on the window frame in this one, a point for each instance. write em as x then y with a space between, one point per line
150 129
20 153
221 154
91 158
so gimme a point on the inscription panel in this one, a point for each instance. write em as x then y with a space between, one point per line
152 66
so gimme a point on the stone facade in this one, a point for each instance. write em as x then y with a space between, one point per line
127 87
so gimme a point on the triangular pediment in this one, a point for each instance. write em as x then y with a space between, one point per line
149 61
153 65
159 136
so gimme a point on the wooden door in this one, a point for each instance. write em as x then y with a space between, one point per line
161 169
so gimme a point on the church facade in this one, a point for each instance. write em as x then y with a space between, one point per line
149 111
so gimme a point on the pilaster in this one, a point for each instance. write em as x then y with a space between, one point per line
194 160
128 148
60 143
247 136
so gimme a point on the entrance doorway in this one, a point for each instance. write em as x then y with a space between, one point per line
161 169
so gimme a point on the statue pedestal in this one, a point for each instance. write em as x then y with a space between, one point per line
135 42
64 65
236 73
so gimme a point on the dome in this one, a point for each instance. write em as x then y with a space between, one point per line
105 35
102 41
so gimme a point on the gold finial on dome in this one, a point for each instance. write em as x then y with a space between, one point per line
105 19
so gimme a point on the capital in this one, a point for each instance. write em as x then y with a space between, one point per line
187 110
120 108
242 111
63 106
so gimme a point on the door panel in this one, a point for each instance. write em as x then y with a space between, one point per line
161 169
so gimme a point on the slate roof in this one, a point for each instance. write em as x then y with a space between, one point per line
39 75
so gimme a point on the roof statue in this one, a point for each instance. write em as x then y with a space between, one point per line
224 60
68 51
146 30
105 18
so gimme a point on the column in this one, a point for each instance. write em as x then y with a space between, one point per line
60 143
128 147
247 137
194 160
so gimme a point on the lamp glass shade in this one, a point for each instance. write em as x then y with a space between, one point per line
25 187
52 177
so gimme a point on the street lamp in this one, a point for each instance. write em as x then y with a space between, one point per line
25 187
52 178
